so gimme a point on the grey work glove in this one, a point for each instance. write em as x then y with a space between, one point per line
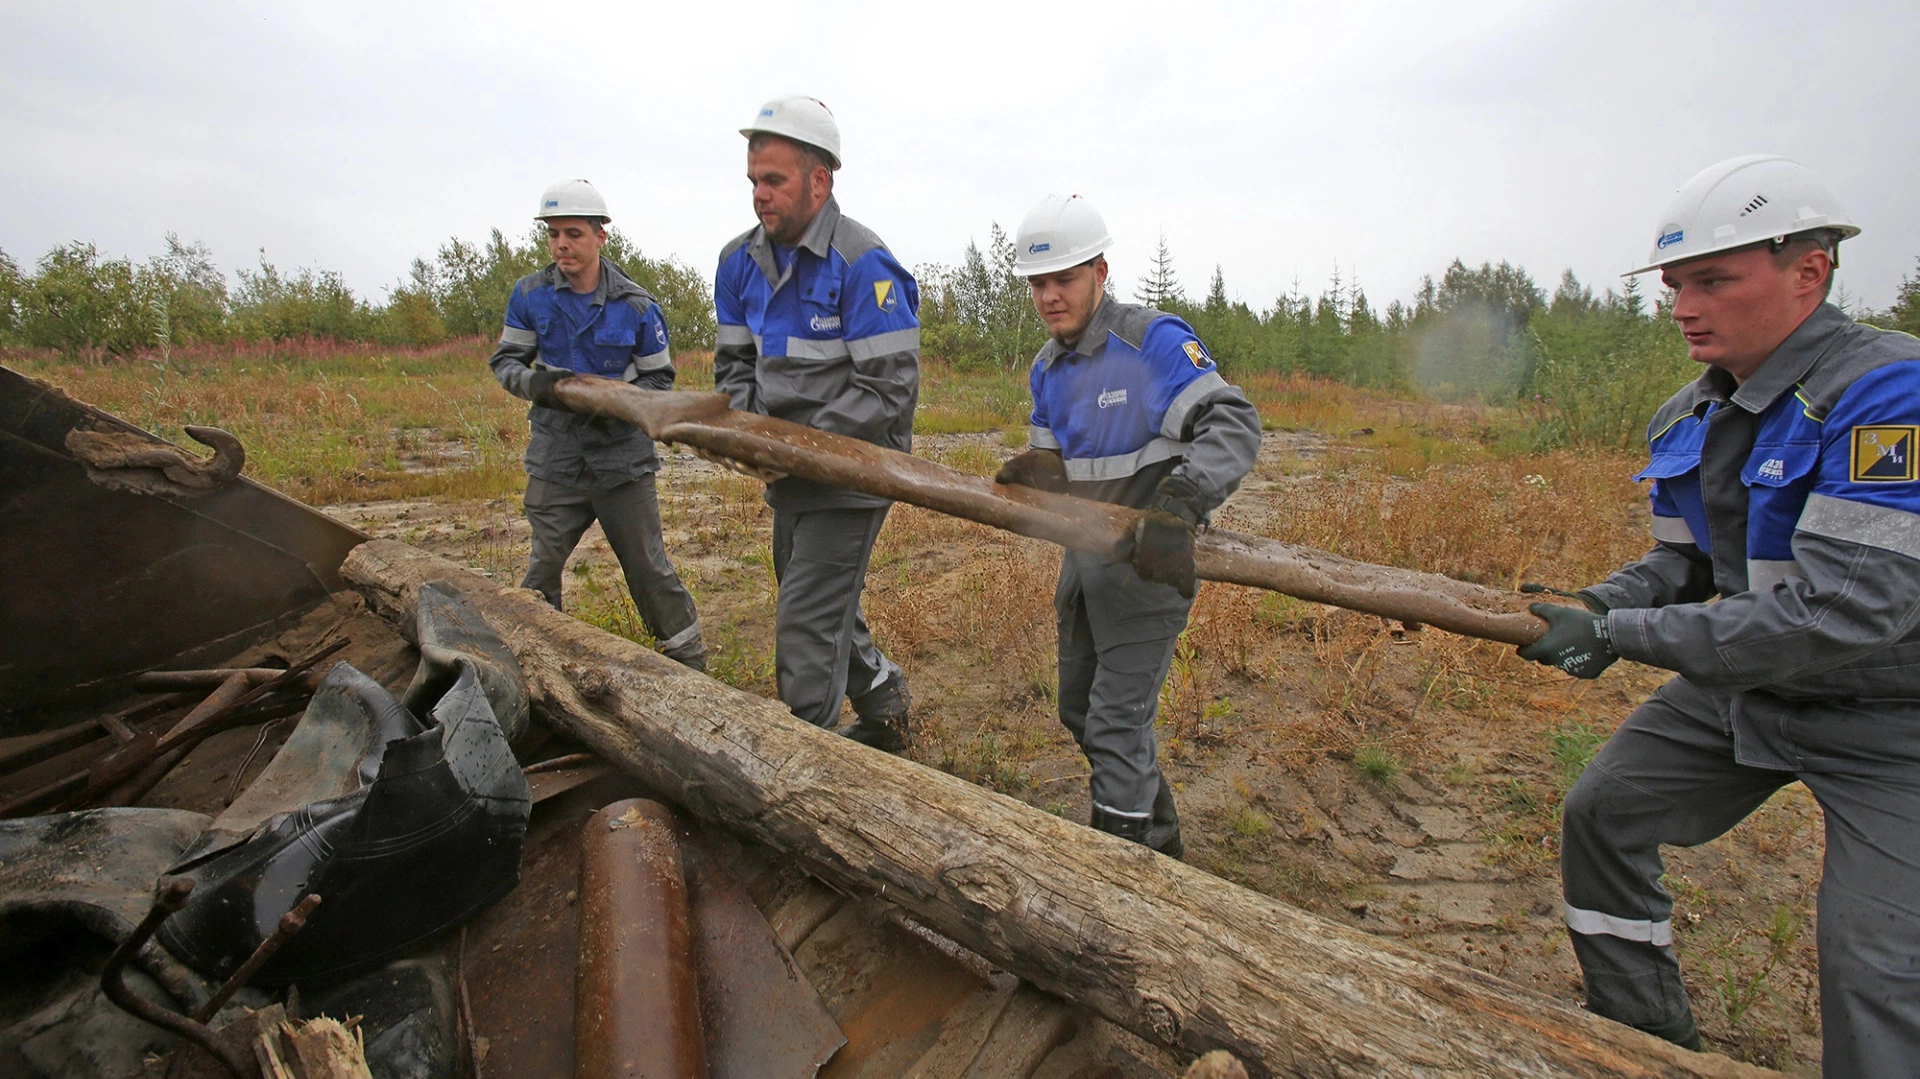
1160 548
1576 641
540 387
1042 470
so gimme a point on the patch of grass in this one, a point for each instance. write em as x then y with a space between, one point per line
1248 822
1740 978
1573 745
1377 762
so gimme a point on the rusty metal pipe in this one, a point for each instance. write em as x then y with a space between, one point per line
203 679
704 421
637 1010
170 894
291 923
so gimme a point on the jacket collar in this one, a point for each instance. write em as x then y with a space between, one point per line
1786 368
818 239
613 283
1092 339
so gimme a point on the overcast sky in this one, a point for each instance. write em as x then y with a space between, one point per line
1276 140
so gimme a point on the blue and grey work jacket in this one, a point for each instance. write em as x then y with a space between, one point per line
1794 497
1138 399
826 335
623 336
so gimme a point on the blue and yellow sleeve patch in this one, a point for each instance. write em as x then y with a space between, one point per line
883 295
1883 453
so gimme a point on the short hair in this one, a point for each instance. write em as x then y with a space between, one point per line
1789 251
811 156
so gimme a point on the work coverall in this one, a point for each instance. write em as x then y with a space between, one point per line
1136 400
583 467
824 334
1793 497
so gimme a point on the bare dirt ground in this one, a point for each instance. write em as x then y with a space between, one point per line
1403 782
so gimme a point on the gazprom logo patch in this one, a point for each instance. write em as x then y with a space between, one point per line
766 112
824 324
550 204
1668 239
1110 398
1034 249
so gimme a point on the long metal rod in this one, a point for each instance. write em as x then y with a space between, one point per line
169 896
705 421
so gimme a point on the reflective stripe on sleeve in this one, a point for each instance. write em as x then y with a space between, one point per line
652 361
1041 438
1671 529
514 335
1189 399
1592 923
1122 465
1764 573
732 336
1859 522
880 344
800 348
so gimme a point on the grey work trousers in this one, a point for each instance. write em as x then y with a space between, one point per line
1669 775
822 650
1117 634
630 516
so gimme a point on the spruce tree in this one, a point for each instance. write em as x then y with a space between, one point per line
1158 287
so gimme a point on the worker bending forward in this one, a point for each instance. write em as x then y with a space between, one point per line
1785 484
580 317
1128 409
818 325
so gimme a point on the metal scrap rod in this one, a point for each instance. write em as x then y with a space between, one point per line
704 421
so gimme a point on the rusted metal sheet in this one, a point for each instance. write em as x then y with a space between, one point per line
761 1017
105 583
704 421
637 1008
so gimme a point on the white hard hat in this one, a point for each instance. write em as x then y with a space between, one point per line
572 198
802 119
1062 232
1741 201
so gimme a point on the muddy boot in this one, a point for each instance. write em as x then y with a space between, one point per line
1163 833
881 718
1681 1032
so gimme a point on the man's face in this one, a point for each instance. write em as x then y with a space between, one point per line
1066 298
786 191
1734 309
575 243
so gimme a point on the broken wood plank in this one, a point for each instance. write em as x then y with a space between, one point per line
1160 948
705 421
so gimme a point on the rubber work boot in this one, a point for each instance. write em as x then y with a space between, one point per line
881 715
1163 834
692 656
1133 829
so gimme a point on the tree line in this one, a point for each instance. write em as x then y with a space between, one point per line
1591 365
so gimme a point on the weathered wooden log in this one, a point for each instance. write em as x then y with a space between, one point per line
1157 946
704 421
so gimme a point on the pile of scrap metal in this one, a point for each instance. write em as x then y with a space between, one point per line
329 885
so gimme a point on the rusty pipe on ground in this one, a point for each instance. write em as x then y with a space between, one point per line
170 894
203 679
704 421
637 1008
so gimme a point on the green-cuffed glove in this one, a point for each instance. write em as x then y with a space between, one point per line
540 387
1042 470
1576 641
1160 548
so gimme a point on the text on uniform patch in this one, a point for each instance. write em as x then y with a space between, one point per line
1884 454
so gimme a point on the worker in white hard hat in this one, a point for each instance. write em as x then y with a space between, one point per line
1128 408
581 317
818 325
1783 589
